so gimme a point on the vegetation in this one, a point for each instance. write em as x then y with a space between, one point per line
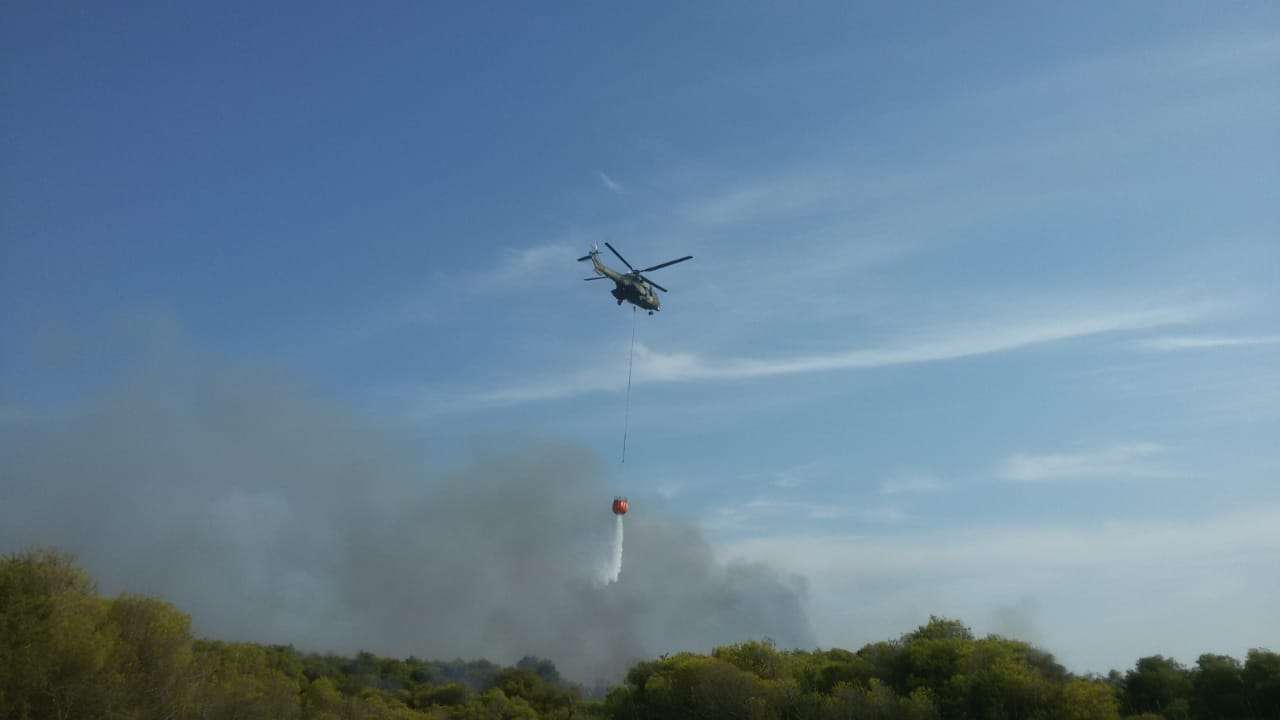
66 652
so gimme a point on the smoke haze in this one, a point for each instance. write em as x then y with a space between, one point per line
271 516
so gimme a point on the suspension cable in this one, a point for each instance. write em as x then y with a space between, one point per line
626 416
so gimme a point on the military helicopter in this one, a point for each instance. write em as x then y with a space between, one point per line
632 287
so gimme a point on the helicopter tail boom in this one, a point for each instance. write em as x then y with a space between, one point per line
601 269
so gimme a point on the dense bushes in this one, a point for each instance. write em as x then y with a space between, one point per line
67 653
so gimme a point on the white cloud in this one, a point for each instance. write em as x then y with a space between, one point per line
974 340
753 511
1189 342
882 515
609 183
910 484
1118 462
796 475
1255 532
669 490
523 263
1130 77
1105 593
767 198
787 481
511 270
768 511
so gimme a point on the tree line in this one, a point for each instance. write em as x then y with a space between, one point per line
68 653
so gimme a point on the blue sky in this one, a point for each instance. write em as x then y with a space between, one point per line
982 320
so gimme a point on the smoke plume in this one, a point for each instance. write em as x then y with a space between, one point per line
271 516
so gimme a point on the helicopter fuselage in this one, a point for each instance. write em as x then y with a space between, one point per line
633 287
628 288
636 292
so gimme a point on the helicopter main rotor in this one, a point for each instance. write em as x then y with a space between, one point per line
640 273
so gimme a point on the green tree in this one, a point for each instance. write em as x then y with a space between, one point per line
995 681
529 686
1261 677
818 672
242 681
887 661
81 681
449 694
939 628
154 657
760 658
321 700
1087 700
541 667
688 684
1157 685
56 641
493 704
878 701
1218 690
931 660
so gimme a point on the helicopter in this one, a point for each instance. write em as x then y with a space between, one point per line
633 287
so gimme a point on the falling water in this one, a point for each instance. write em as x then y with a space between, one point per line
614 567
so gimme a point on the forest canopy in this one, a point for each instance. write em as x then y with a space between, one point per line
67 652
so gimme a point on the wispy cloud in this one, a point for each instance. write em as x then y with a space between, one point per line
1118 462
767 511
610 184
1125 77
797 475
1256 531
1191 342
1206 567
508 270
768 198
882 515
12 414
669 490
974 340
522 263
910 484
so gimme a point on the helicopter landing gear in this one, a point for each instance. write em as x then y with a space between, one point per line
650 312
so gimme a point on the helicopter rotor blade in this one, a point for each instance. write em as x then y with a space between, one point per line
651 282
624 260
598 277
669 262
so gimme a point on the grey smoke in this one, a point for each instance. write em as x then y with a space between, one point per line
276 517
1018 621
